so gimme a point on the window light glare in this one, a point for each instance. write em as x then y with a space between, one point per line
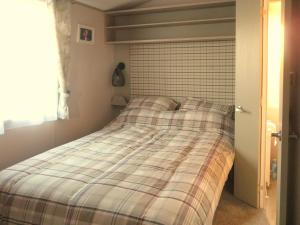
29 61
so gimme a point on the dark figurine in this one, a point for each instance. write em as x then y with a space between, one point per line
118 79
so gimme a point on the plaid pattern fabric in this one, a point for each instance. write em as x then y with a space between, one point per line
153 103
127 173
202 105
187 120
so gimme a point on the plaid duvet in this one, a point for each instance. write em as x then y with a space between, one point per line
145 168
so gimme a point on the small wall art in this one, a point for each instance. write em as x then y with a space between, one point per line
85 34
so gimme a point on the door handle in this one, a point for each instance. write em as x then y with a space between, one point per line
293 136
240 109
279 135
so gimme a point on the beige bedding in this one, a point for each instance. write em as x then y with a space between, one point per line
146 167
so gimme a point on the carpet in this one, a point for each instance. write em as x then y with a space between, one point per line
232 211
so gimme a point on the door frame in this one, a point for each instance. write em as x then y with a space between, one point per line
264 90
281 212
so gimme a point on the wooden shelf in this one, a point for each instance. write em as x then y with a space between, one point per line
172 40
175 23
124 27
207 4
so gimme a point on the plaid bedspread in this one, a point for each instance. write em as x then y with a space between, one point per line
145 168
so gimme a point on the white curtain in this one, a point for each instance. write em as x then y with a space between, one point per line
32 74
62 10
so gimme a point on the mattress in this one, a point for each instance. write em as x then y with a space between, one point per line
146 168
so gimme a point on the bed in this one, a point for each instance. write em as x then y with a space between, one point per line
146 167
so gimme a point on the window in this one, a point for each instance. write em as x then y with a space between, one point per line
29 62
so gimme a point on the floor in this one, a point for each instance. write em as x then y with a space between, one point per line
232 211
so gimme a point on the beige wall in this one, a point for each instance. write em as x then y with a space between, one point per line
90 85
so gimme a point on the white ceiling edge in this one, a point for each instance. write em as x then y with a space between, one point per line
106 5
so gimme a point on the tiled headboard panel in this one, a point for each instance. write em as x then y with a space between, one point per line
203 69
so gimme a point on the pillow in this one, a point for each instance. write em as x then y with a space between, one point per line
152 103
183 120
203 105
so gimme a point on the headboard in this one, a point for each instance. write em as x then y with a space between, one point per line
204 69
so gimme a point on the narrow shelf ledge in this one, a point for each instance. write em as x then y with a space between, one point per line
212 38
175 23
206 4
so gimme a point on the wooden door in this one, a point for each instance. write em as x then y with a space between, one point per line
283 134
286 133
248 100
292 67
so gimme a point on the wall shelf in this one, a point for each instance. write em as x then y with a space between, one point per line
209 20
175 23
206 4
173 40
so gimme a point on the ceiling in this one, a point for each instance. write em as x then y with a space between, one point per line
112 4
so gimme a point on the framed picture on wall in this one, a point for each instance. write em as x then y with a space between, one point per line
85 34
